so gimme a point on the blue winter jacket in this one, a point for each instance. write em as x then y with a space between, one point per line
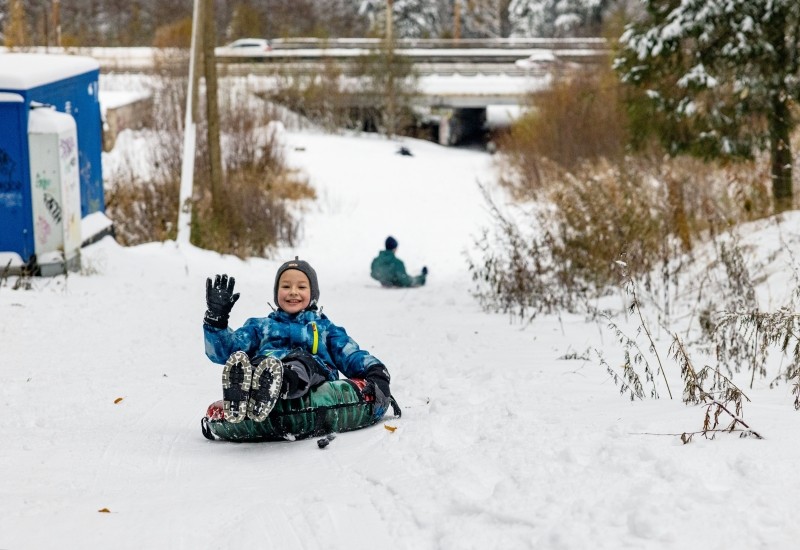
281 332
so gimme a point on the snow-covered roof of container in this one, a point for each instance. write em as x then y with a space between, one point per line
6 97
46 120
23 71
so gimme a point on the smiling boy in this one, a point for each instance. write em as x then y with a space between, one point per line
287 353
294 291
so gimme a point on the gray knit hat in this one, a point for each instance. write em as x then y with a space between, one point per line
304 267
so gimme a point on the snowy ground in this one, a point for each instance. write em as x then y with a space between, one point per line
503 443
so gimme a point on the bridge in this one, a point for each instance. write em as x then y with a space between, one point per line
507 67
458 79
481 71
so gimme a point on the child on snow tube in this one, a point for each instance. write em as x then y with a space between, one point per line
287 356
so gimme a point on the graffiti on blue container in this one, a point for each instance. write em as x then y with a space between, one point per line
68 146
86 168
43 182
53 207
7 165
10 186
7 182
43 229
10 200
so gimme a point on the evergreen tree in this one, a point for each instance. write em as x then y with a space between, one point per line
487 18
492 18
720 77
423 18
557 18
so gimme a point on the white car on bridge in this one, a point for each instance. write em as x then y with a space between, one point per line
245 47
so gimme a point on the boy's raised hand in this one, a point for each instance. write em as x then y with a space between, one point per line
219 299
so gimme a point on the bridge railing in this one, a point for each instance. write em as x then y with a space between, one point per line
308 55
589 43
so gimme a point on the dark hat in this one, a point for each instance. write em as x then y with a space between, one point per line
304 267
391 243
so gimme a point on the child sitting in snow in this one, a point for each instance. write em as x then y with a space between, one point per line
390 271
287 353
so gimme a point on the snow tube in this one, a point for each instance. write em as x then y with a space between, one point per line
337 406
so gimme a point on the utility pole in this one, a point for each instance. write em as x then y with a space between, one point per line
212 108
189 134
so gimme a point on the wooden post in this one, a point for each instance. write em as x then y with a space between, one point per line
212 109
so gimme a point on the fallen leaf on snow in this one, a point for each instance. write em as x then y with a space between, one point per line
104 510
118 399
390 428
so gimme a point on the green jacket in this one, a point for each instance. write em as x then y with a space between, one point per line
389 270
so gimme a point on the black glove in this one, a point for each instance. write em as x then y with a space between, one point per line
377 379
220 299
424 270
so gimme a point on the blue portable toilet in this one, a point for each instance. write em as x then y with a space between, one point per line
16 231
70 85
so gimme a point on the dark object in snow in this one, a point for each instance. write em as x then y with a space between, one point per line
405 151
325 441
